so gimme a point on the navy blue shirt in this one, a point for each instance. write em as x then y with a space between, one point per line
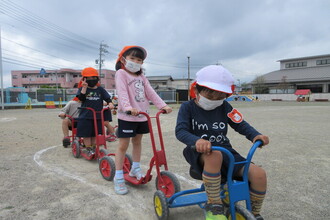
193 123
94 99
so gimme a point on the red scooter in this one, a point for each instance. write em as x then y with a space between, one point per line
166 181
78 147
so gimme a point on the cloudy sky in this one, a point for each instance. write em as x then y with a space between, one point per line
246 37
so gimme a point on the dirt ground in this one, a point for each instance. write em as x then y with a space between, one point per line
42 180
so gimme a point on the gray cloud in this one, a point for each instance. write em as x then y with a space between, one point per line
247 37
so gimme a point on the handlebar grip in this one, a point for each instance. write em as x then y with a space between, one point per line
262 143
128 112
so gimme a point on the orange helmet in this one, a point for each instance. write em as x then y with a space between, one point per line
126 48
89 71
192 90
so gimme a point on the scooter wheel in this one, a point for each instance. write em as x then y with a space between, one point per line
128 161
241 213
161 205
75 148
169 185
107 168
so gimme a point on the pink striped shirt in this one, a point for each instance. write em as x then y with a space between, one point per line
135 92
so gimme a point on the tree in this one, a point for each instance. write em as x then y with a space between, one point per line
284 85
260 85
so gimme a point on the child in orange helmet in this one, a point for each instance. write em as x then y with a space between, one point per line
91 95
134 93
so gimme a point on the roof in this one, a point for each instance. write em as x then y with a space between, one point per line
305 58
318 73
303 92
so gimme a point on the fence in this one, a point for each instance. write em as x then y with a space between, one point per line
20 96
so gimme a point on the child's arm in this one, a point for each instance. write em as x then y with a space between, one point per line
107 99
82 92
183 126
243 127
64 111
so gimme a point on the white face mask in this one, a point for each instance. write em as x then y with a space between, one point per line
132 66
208 104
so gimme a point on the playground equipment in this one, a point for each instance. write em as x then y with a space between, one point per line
60 103
236 190
303 95
240 98
166 182
21 97
28 104
49 100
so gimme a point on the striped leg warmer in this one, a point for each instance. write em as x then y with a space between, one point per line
256 200
212 183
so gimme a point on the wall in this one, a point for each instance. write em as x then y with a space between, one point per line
290 97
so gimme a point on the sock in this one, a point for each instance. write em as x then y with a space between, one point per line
256 200
212 182
135 165
119 174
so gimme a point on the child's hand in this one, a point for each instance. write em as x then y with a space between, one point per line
134 112
84 83
111 106
168 109
263 138
203 146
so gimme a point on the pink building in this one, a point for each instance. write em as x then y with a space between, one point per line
64 78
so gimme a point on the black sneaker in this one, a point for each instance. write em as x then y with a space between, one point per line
259 217
66 142
215 212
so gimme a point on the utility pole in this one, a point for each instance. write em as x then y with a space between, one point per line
188 77
102 52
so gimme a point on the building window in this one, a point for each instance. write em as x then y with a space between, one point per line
296 64
323 62
102 75
75 76
14 76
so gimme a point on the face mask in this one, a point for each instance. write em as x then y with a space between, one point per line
132 66
208 104
92 82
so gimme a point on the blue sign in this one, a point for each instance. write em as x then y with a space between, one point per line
42 71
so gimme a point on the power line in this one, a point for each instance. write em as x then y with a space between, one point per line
17 12
22 45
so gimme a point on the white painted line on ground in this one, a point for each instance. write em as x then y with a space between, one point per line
102 189
7 119
191 182
37 159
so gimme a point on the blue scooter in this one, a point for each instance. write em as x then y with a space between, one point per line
232 192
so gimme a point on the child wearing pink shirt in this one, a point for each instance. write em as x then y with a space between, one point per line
134 93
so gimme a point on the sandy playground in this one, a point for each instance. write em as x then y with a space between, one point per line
39 179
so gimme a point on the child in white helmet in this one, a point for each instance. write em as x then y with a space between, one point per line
203 122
